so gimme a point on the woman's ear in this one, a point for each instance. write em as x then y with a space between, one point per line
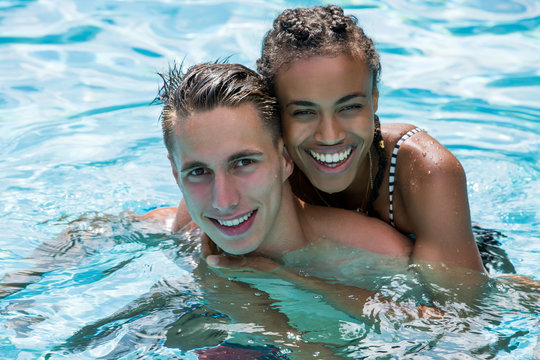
174 172
375 96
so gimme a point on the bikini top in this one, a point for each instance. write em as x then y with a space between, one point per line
393 171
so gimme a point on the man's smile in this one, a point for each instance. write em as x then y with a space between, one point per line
235 221
235 226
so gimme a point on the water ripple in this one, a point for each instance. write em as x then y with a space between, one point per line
520 26
78 137
107 109
74 35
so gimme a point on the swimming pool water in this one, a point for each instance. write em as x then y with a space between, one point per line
81 148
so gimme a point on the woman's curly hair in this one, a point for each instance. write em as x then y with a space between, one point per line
305 32
322 31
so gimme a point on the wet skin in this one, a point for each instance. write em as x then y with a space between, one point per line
327 108
233 187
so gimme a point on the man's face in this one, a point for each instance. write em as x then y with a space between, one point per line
231 175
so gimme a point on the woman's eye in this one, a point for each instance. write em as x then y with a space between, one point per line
351 107
303 112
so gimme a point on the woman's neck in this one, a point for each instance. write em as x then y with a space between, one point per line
356 196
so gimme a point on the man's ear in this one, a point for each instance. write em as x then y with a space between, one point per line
287 163
174 172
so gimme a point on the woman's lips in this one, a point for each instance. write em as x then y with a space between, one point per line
331 161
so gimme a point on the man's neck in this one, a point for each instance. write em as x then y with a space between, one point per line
288 233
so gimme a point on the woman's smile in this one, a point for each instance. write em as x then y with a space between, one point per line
327 111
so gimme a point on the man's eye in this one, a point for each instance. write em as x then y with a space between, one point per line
198 172
244 162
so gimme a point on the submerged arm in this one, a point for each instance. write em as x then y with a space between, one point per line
434 193
357 302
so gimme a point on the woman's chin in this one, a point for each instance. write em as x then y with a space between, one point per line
331 186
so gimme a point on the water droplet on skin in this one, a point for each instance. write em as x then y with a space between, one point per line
424 154
429 172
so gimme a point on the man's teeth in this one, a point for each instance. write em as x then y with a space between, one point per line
331 159
234 222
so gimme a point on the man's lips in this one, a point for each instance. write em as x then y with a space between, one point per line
235 226
331 157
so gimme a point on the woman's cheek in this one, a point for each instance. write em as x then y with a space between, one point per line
293 133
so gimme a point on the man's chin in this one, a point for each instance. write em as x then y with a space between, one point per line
229 247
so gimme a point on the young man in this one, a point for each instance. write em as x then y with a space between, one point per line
223 137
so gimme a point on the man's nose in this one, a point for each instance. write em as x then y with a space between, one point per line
329 130
226 195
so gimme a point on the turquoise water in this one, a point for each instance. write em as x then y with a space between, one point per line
81 149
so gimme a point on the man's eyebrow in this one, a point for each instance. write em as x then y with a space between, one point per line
338 102
245 153
191 165
234 157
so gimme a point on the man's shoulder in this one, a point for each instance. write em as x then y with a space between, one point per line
160 213
164 217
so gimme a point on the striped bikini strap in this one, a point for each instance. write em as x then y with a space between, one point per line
392 178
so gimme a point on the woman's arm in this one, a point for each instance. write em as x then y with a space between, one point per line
435 208
434 204
357 302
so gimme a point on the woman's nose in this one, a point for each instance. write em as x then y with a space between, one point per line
329 131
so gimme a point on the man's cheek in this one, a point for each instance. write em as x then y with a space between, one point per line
195 195
260 182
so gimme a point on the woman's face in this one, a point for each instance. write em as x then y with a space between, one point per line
327 109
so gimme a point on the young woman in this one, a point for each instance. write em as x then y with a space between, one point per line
324 71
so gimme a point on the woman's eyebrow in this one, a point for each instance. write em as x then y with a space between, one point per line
350 97
300 103
338 102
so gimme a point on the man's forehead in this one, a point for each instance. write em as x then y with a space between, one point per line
242 120
222 131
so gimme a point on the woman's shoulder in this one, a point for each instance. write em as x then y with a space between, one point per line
420 154
426 172
392 132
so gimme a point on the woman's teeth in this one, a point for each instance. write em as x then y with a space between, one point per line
234 222
331 160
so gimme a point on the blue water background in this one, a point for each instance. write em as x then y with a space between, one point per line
78 135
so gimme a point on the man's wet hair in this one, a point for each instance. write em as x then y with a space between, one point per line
207 86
